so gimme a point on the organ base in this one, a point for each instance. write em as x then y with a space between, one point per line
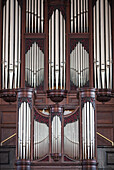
79 165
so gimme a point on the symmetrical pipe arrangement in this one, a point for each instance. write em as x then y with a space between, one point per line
34 16
34 66
41 140
24 131
102 45
56 135
11 45
79 66
71 140
57 57
79 16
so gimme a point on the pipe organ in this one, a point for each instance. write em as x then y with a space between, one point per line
102 45
34 66
11 45
57 57
79 16
52 55
79 66
24 131
34 16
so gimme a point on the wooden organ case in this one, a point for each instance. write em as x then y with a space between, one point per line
56 63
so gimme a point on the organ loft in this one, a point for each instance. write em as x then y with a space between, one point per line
56 84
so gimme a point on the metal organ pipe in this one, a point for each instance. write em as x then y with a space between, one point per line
102 45
11 41
79 66
57 58
34 16
24 126
79 16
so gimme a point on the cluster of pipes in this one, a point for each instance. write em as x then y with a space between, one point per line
88 131
79 16
34 16
11 45
41 140
102 45
57 58
56 135
24 131
79 66
71 140
34 66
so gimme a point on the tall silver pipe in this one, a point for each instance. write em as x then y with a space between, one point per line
107 44
29 22
57 47
75 15
64 56
19 49
16 44
102 43
42 16
110 42
32 18
39 16
27 13
78 16
35 13
98 45
50 24
61 51
3 46
81 16
71 16
88 130
52 35
95 46
86 15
